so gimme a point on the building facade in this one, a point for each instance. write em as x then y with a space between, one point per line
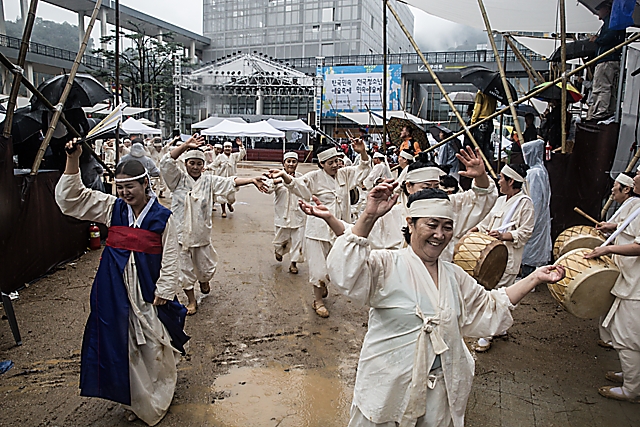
286 29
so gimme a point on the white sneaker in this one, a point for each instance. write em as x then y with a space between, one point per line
482 345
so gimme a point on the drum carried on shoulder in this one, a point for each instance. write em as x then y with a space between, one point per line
482 257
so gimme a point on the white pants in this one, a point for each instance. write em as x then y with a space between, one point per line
507 280
229 198
437 414
625 333
159 186
197 265
317 252
290 240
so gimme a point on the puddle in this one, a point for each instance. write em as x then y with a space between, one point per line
273 397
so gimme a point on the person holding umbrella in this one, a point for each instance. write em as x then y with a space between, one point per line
485 105
407 140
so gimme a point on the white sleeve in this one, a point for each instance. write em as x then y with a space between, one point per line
222 186
170 171
76 200
472 206
526 222
301 186
354 268
167 285
485 313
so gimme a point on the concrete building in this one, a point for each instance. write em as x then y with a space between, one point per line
287 29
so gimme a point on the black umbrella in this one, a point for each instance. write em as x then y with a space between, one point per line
26 123
86 91
576 49
488 82
524 109
435 132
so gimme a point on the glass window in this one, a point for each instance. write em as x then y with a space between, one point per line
327 14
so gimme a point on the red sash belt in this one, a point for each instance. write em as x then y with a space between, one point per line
134 239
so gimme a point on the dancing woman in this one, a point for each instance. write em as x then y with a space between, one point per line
134 335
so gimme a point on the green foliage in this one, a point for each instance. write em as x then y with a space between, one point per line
146 72
63 36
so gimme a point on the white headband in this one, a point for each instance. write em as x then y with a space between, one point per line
327 154
427 174
378 155
217 146
431 208
228 144
133 178
290 155
507 171
406 155
625 180
193 154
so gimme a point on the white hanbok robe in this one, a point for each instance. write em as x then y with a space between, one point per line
156 156
469 208
226 166
152 359
333 192
289 221
524 218
410 323
191 203
379 171
623 320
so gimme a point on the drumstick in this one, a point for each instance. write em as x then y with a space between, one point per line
504 227
584 214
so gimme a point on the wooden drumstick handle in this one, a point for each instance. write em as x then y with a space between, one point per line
587 216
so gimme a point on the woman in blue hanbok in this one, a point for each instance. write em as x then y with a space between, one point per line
134 334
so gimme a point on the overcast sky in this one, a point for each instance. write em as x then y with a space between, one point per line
431 33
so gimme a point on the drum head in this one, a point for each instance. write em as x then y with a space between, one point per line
583 241
491 264
591 297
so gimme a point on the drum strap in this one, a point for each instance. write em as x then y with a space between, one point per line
621 228
615 215
506 221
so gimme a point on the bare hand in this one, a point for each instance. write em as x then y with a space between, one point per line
598 252
70 146
319 210
275 173
381 199
195 141
496 234
550 273
260 184
606 227
358 145
472 160
159 301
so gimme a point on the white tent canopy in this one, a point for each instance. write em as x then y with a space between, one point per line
290 125
132 126
214 121
513 15
375 118
233 129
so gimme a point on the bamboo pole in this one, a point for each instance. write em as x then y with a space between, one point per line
533 74
17 71
443 90
503 75
629 168
31 88
65 93
384 76
420 109
536 92
563 73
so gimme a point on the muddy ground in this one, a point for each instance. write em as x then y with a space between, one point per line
259 356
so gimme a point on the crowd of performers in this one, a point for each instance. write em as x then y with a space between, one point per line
390 249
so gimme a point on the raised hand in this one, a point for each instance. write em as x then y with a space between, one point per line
381 199
358 145
77 149
550 273
195 141
472 160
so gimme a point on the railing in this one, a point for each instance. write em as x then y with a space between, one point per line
458 57
53 52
